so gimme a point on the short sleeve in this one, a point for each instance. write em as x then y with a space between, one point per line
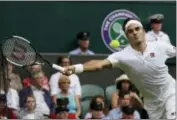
114 59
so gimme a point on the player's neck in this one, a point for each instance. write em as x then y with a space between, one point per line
140 47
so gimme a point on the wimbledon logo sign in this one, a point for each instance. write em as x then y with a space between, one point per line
112 28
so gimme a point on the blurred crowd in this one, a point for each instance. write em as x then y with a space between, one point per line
63 97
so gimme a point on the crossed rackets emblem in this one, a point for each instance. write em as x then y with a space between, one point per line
117 28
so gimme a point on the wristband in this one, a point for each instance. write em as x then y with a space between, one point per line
79 68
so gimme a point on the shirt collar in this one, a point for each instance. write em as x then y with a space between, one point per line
140 53
34 88
85 53
160 33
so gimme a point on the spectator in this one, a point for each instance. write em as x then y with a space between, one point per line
75 86
98 108
123 84
35 68
125 109
29 112
5 111
11 94
156 34
74 102
44 102
16 82
83 40
62 111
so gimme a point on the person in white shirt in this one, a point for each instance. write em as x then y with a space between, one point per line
75 86
84 43
11 94
144 63
156 34
44 102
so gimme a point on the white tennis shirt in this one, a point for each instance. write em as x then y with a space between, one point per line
148 70
75 86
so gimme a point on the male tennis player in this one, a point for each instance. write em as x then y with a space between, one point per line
144 63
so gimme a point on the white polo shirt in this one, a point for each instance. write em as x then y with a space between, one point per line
75 86
161 37
148 70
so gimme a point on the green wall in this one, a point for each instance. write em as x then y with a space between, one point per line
51 26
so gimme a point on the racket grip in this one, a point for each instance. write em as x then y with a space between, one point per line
56 67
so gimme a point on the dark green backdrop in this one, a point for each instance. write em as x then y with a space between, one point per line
51 26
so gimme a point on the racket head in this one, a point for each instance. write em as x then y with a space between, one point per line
117 27
18 51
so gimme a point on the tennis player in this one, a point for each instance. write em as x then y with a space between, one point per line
144 63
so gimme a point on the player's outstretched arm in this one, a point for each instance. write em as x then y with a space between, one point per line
89 66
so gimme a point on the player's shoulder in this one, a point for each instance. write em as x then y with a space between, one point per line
123 53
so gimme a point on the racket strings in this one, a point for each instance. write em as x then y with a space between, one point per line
18 51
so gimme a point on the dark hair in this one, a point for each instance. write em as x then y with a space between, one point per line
123 93
94 100
127 20
30 95
96 106
3 98
128 110
59 60
118 86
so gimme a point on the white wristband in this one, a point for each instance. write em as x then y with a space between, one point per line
79 68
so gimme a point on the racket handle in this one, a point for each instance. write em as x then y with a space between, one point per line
56 67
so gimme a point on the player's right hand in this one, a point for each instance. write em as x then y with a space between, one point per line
69 70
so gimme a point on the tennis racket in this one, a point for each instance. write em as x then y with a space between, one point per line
20 52
118 29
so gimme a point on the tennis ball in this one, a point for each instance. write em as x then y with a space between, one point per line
114 44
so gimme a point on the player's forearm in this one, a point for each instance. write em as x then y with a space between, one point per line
89 66
92 65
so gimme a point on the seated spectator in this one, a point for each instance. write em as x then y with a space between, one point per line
74 102
16 82
29 112
35 68
98 108
83 41
123 84
75 86
44 102
125 109
11 94
5 111
62 111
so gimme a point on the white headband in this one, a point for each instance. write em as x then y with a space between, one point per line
134 22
